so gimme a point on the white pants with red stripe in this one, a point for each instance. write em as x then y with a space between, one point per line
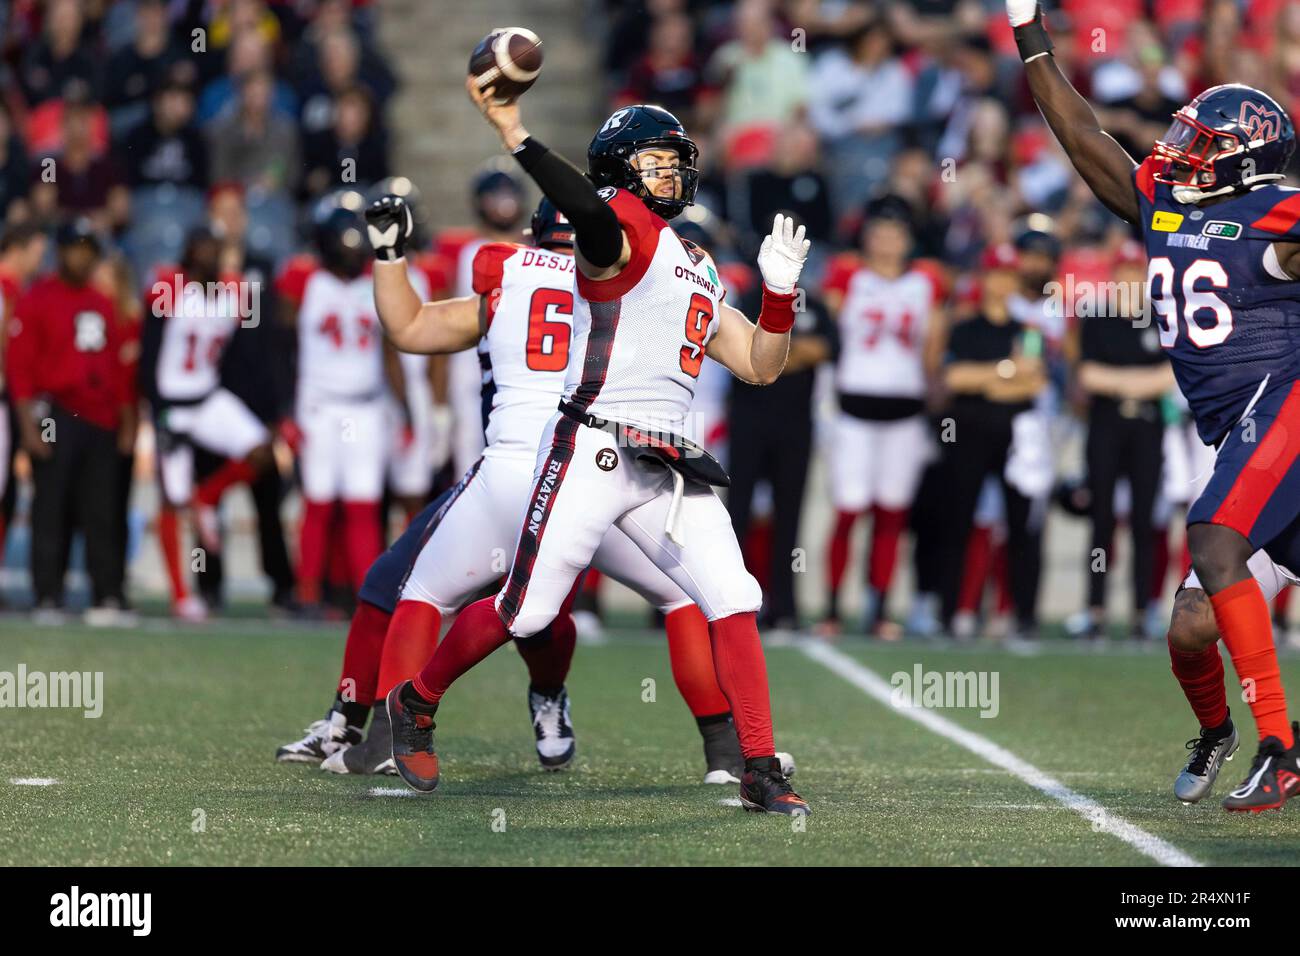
584 484
472 538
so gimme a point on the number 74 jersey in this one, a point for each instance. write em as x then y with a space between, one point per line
1227 313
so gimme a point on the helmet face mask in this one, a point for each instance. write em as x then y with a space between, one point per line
1228 139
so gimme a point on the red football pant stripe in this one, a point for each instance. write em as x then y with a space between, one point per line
742 674
1264 470
1244 622
361 654
411 640
690 652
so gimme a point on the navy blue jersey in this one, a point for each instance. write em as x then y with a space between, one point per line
1228 318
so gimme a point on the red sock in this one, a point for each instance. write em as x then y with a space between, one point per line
887 530
549 653
979 557
411 640
838 558
230 473
1201 675
312 536
476 634
1159 563
362 537
169 538
690 652
1242 615
742 675
361 654
1281 604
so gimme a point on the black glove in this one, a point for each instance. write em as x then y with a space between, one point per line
389 224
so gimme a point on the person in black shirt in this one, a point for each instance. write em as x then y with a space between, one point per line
771 430
994 373
167 148
1124 373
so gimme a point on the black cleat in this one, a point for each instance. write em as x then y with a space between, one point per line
323 738
1273 779
765 789
552 728
412 731
374 755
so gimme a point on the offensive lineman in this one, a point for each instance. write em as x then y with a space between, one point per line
647 308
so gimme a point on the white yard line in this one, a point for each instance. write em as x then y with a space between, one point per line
33 781
1102 820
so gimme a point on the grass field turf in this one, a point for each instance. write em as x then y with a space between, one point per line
192 717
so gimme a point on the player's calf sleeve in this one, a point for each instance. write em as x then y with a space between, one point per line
1243 619
169 539
1200 673
362 538
211 488
409 642
690 652
312 535
548 654
886 532
478 632
742 675
837 558
358 681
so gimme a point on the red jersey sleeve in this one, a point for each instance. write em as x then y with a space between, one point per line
642 228
292 280
839 271
488 271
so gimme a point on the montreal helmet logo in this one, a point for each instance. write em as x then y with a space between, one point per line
1260 122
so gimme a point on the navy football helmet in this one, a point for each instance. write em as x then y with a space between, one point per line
1228 139
611 157
549 227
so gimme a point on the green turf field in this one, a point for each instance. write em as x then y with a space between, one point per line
179 768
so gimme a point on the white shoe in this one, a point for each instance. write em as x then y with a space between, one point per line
721 777
109 614
323 739
49 616
190 608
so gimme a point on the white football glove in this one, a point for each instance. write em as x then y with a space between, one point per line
1020 12
389 224
782 255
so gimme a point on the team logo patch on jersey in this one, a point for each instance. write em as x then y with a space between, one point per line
1166 221
606 192
607 459
1218 229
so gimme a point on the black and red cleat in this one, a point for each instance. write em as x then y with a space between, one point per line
1273 779
765 789
412 725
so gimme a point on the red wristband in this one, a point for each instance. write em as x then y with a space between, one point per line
777 313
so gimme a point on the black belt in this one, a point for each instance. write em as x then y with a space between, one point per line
678 453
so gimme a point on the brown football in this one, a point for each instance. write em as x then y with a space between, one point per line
509 59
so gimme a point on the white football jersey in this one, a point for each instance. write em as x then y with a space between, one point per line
340 341
197 326
529 296
883 324
639 337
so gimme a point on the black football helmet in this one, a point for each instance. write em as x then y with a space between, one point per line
628 131
549 227
339 234
1228 139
